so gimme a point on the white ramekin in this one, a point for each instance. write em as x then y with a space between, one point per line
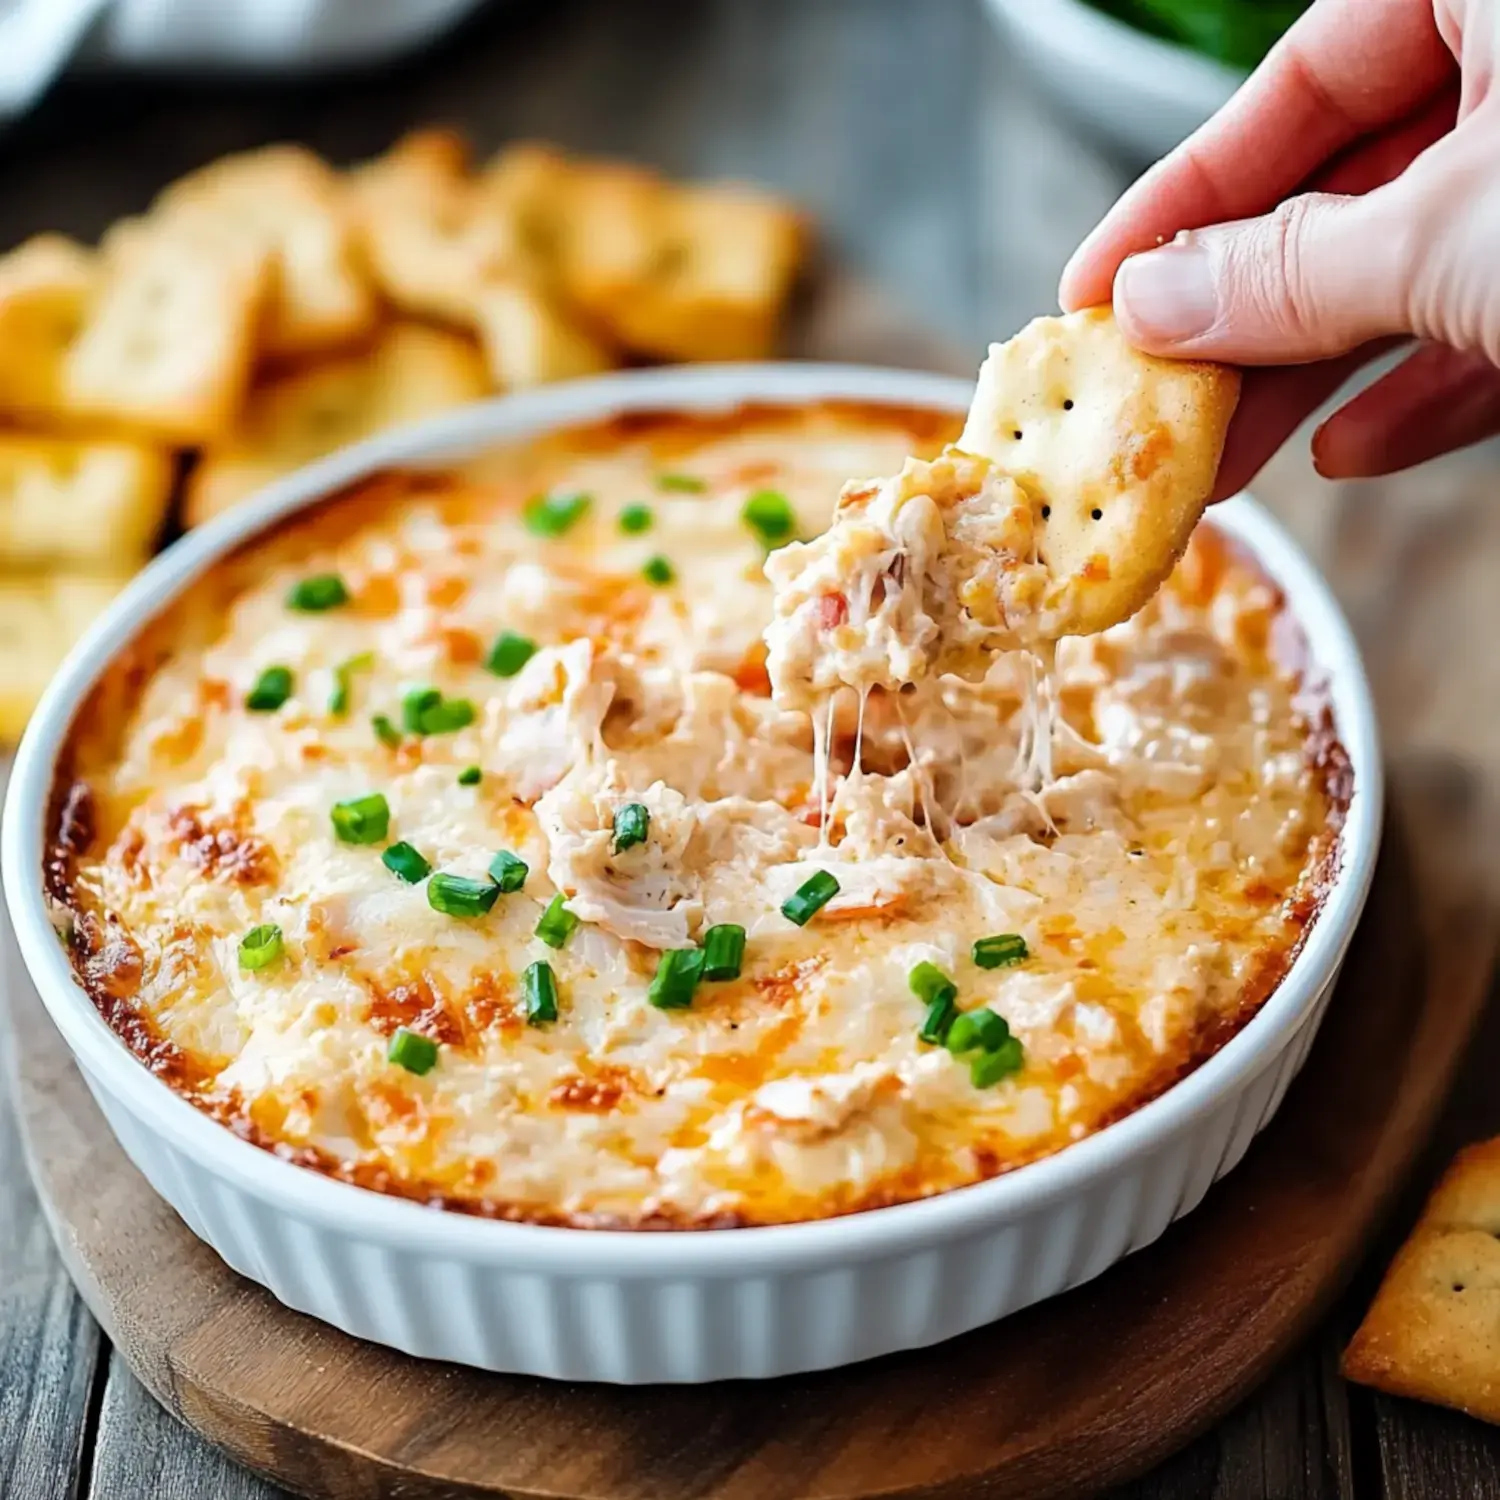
693 1306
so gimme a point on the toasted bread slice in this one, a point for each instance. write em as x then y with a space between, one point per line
529 340
45 288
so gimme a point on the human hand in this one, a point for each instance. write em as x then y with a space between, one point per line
1351 193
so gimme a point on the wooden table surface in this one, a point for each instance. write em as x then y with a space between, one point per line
937 175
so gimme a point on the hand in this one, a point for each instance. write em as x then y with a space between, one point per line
1353 193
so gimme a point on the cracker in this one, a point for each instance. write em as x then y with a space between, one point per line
529 340
80 503
1118 450
1433 1331
45 288
40 619
291 201
410 372
170 338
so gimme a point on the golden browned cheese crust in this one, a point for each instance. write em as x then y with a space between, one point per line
1162 878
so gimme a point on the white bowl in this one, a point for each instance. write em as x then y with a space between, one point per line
1138 92
690 1306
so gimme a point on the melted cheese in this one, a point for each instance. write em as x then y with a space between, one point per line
1160 876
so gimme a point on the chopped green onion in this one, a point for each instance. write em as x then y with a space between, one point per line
272 688
470 776
677 974
385 731
426 711
635 519
411 1050
551 515
632 825
539 993
343 681
458 896
659 570
362 820
1000 951
416 703
928 982
314 595
508 872
555 925
988 1068
769 514
810 898
401 859
981 1029
510 653
261 946
936 1024
723 951
683 484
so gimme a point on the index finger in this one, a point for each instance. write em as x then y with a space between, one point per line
1347 68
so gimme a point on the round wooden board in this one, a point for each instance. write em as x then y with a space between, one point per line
1062 1399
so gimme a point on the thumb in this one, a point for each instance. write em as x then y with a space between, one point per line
1316 278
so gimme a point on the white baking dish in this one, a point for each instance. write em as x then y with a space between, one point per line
690 1306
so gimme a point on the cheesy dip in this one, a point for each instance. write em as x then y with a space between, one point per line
448 840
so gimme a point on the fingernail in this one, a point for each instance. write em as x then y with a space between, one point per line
1168 295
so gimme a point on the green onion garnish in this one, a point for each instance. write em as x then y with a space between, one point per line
1001 951
470 776
632 825
314 595
723 951
981 1029
508 872
411 1050
810 898
635 519
362 820
343 681
769 514
683 484
539 993
928 983
416 703
939 1019
458 896
988 1068
385 731
659 570
551 515
261 946
426 711
510 653
272 688
401 859
555 925
677 974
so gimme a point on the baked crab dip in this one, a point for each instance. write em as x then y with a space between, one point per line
450 839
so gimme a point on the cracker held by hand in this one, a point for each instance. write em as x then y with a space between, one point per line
1433 1332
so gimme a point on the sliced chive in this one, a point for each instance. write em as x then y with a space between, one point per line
508 872
936 1024
632 826
447 716
411 1050
343 681
272 688
470 776
723 951
988 1068
551 515
769 514
458 896
659 570
677 974
362 820
1000 951
510 653
385 731
981 1029
321 591
401 859
261 946
635 519
416 703
557 924
539 993
928 983
682 484
810 898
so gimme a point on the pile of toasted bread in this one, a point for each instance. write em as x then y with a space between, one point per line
268 309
